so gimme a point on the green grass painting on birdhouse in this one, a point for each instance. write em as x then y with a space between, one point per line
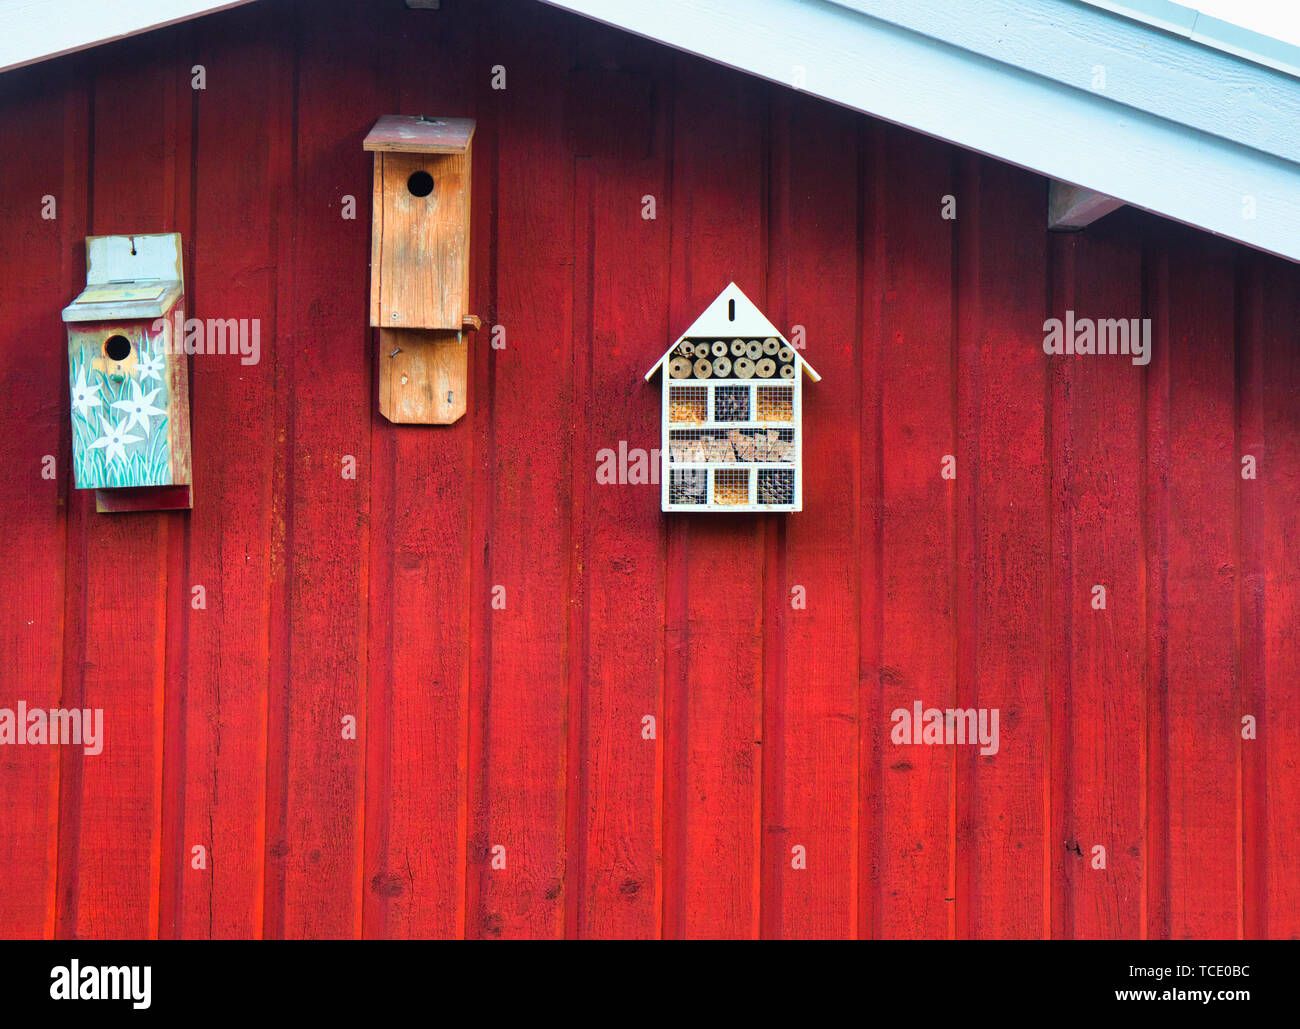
120 404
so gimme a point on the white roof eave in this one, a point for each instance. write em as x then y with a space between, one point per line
36 30
1085 95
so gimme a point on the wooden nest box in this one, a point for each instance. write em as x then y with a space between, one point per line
419 265
128 375
732 412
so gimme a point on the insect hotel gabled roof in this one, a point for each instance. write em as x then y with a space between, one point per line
730 316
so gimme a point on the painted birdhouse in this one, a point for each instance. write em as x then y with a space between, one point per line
732 412
419 265
130 383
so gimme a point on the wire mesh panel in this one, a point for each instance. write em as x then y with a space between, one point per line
688 486
776 404
688 404
731 446
731 403
730 486
775 486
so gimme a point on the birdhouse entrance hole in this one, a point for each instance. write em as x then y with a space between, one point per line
420 184
117 348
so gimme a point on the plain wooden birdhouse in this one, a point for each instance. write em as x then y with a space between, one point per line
419 265
129 381
732 414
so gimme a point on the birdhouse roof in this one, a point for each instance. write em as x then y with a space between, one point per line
418 134
733 315
129 278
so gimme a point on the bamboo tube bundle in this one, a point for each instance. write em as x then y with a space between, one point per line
771 346
680 368
737 348
703 368
753 350
743 368
764 369
722 367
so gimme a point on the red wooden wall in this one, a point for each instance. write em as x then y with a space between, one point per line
522 727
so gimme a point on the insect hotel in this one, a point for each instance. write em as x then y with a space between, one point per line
731 413
129 383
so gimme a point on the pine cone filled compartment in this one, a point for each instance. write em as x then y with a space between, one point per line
731 403
776 486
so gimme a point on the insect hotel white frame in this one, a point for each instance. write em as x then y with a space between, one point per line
732 413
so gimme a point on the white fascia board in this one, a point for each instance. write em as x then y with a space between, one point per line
1211 31
1174 163
1118 59
35 30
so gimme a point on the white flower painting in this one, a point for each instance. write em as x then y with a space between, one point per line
152 366
85 397
139 408
114 441
120 429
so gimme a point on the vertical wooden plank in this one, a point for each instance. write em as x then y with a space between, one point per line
621 318
869 540
227 673
811 725
1096 451
1155 533
44 113
716 206
419 586
919 631
142 105
1251 589
315 812
1203 702
1273 877
1063 251
519 800
1002 388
